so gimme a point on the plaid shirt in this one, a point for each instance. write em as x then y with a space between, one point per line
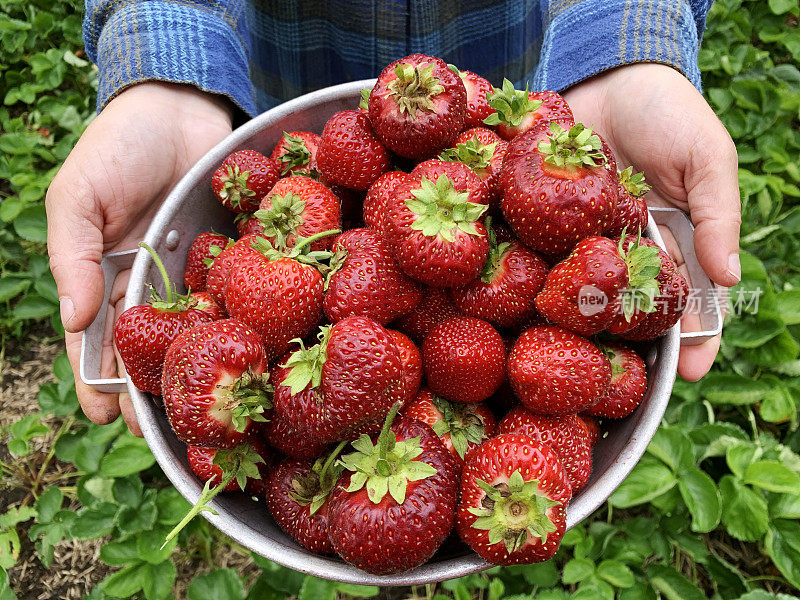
261 53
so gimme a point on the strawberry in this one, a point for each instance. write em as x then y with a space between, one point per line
513 499
351 203
247 223
417 106
460 175
434 308
478 90
554 371
482 150
297 207
557 191
375 202
464 359
201 461
206 303
505 292
243 179
395 504
591 426
584 292
411 360
350 153
297 497
297 153
462 427
220 269
628 383
279 294
281 435
143 333
434 231
204 249
565 435
366 281
631 214
343 384
516 111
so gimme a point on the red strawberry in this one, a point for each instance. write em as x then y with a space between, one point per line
584 292
462 427
366 281
297 153
565 435
434 308
202 463
389 521
557 191
206 303
631 214
204 249
243 179
628 383
375 202
143 333
281 435
434 231
504 294
464 359
514 494
215 384
591 426
247 223
462 177
417 106
554 371
220 270
297 497
517 111
478 89
411 360
350 153
297 207
344 384
482 150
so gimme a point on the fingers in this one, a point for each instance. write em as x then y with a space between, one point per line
695 361
98 407
128 415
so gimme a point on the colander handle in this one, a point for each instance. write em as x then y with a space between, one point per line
92 342
703 296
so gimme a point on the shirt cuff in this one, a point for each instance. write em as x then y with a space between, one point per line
593 36
164 41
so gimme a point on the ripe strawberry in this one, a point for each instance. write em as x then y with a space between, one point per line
554 371
628 383
350 153
204 249
411 360
584 292
283 436
557 191
591 426
478 89
565 435
297 497
460 175
243 179
220 269
375 202
299 207
434 231
247 223
517 111
504 294
482 150
434 308
417 106
297 153
202 463
143 333
462 427
215 384
514 494
342 385
631 214
464 359
396 505
366 281
206 303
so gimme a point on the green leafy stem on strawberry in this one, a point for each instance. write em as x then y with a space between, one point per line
472 153
512 105
313 489
174 302
300 251
306 363
414 88
442 210
247 398
283 218
463 424
296 153
644 265
572 148
496 252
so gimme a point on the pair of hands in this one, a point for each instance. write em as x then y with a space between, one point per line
137 149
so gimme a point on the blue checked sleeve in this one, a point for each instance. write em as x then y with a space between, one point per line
202 43
586 37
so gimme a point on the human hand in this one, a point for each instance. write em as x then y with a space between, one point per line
104 197
655 119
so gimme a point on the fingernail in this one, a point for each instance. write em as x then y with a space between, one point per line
67 309
735 267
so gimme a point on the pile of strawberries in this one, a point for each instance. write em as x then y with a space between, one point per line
447 232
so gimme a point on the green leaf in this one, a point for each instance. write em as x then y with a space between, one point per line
648 480
11 287
577 570
673 447
615 573
31 224
124 583
783 546
779 7
158 580
672 584
119 552
220 584
317 589
773 476
702 498
730 388
744 511
128 455
33 306
787 305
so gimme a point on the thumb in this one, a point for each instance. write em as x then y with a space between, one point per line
75 246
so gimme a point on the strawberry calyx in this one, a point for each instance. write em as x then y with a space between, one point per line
511 105
214 250
336 263
247 397
313 489
514 511
296 153
364 102
237 463
306 363
572 148
644 265
613 358
283 218
442 210
414 88
461 422
234 186
386 466
472 153
496 254
633 183
300 252
174 302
